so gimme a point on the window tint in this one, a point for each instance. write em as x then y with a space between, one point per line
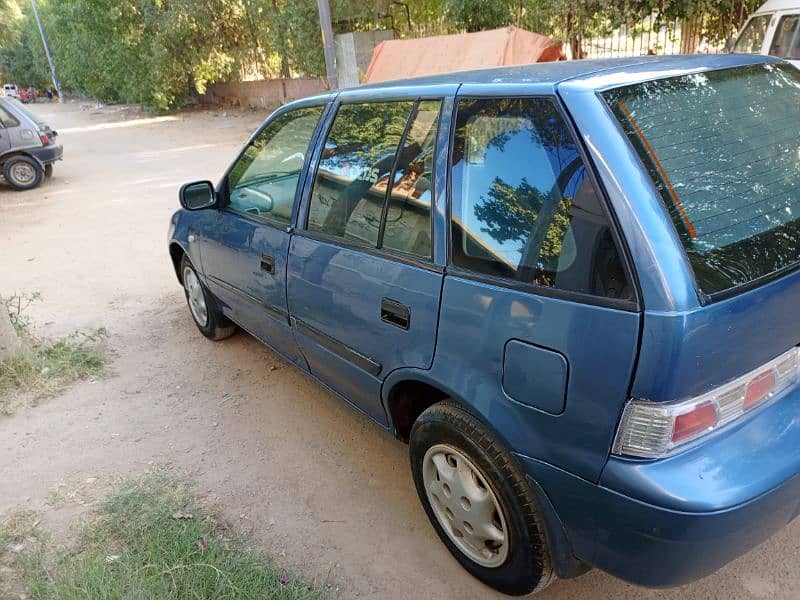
722 149
7 119
263 181
408 217
752 37
523 205
786 43
353 175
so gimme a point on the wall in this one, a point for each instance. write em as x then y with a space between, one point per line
354 53
269 93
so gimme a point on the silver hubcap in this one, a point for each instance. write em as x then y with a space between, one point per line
197 300
465 505
23 173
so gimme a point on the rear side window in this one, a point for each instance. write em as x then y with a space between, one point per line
523 207
407 227
786 43
373 185
751 39
7 119
723 149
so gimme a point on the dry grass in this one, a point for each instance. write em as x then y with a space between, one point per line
45 367
152 539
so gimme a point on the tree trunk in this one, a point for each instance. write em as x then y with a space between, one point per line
9 341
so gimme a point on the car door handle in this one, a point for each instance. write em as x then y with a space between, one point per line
268 263
396 314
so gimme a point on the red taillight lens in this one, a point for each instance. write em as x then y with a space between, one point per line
45 139
759 388
699 419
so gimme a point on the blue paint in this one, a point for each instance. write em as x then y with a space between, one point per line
548 372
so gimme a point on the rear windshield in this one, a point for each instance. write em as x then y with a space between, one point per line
723 149
19 107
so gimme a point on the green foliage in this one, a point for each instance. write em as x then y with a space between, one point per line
477 15
160 52
151 539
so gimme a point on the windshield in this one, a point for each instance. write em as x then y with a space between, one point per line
751 39
723 149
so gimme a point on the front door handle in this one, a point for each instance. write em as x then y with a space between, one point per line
268 263
396 314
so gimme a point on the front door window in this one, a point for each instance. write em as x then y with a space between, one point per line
263 181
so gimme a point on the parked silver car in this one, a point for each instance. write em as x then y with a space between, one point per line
27 146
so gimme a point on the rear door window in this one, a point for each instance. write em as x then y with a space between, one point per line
353 175
786 43
374 182
523 205
723 149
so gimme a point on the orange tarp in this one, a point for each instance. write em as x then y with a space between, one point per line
398 59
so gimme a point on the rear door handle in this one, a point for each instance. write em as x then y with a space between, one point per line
396 314
268 263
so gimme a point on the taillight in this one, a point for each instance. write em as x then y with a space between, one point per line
44 138
658 429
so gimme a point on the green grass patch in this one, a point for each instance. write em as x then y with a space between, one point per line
44 367
152 539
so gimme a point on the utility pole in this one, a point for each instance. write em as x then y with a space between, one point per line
47 51
327 42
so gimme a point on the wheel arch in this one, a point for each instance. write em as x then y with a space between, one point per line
404 398
176 253
408 392
13 153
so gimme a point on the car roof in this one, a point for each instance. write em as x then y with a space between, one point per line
560 71
592 75
776 5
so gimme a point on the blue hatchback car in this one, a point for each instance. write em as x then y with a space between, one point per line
573 288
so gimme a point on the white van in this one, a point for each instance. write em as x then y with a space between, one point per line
11 89
773 29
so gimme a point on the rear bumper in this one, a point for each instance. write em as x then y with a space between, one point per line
652 545
667 522
47 155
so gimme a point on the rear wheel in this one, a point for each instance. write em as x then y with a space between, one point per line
23 172
479 501
203 306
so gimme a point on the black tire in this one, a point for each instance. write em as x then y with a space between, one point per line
48 170
16 165
217 326
528 565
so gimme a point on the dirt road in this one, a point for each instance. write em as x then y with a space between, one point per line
319 486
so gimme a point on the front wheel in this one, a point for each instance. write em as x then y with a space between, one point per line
203 306
22 172
479 501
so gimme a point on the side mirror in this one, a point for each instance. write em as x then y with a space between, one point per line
197 195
